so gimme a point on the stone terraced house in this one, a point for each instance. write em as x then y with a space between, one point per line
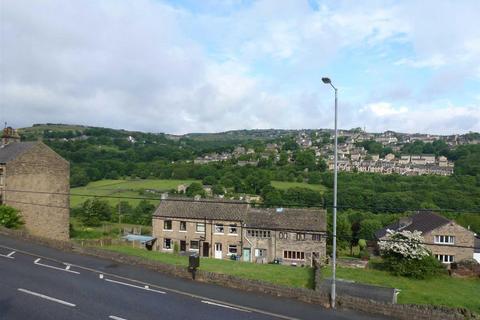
222 229
448 241
35 180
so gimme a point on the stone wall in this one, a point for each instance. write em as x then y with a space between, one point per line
38 183
394 311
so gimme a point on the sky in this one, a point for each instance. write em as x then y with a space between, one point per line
210 66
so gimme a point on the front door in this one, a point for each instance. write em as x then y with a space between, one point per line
218 250
183 245
246 254
206 249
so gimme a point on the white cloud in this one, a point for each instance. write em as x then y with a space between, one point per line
384 109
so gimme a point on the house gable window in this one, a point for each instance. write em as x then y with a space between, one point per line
445 258
183 225
444 239
167 225
200 227
219 229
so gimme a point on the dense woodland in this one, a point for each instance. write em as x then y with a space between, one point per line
366 201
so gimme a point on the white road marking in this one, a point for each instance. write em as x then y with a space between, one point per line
224 306
184 293
46 297
8 256
116 318
67 268
134 286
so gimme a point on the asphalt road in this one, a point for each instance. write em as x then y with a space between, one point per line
38 282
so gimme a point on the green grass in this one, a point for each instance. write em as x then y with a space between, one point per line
276 274
106 230
441 290
286 185
122 188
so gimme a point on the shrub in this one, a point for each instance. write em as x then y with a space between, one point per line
404 254
10 217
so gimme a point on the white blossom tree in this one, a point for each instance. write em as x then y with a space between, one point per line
406 244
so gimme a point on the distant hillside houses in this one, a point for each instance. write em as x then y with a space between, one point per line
406 165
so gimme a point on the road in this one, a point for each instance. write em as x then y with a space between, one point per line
38 282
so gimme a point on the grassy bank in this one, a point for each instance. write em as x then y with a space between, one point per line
276 274
441 290
122 188
283 185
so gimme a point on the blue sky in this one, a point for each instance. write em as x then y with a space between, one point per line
204 66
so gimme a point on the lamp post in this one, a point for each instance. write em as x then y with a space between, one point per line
335 173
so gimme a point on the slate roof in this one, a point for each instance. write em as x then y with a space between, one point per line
200 209
265 218
12 150
287 218
422 221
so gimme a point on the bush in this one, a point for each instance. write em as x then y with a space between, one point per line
10 217
424 268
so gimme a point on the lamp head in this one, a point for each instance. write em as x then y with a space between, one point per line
326 80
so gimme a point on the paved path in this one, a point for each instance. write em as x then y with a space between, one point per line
39 282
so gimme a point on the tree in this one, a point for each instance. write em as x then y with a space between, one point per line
368 228
10 217
405 254
94 211
195 189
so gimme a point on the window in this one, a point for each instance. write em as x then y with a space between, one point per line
232 249
183 225
167 244
294 255
260 253
232 229
194 245
444 258
219 228
300 236
316 237
167 225
201 227
259 233
444 239
283 235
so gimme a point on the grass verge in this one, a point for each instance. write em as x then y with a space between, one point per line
277 274
441 290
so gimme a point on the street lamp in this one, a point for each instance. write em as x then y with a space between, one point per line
335 172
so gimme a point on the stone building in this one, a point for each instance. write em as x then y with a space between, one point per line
35 180
448 241
222 229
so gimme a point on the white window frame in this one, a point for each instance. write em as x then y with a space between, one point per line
230 246
180 226
190 245
445 258
165 244
442 239
219 229
171 225
200 224
259 253
232 227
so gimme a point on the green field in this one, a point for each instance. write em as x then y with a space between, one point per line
277 274
286 185
115 191
440 290
106 230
